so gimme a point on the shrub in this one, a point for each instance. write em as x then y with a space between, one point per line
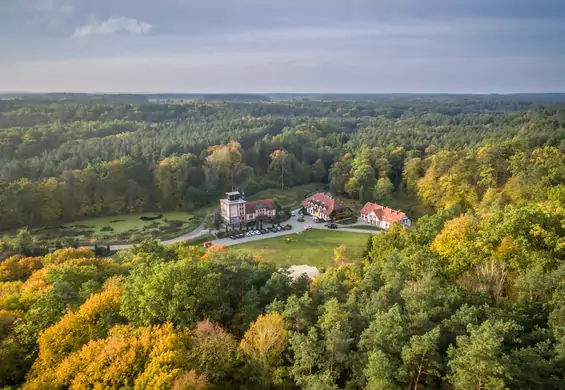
107 229
144 218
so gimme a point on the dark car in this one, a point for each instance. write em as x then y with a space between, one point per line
263 231
332 226
233 237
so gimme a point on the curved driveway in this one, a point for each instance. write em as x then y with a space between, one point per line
296 227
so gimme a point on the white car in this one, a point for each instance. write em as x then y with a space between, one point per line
257 232
307 227
293 213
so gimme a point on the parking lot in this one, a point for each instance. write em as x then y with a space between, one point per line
296 227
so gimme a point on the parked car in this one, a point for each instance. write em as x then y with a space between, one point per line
279 228
332 226
293 213
248 234
316 219
257 232
307 227
263 231
241 235
233 237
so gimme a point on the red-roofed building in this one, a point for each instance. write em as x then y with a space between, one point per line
260 210
383 217
326 207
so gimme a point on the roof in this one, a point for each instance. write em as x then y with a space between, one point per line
251 207
233 193
239 200
328 203
383 213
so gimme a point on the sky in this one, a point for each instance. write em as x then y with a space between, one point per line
260 46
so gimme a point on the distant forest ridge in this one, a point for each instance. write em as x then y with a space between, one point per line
277 97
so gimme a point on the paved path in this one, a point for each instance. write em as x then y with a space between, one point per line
296 227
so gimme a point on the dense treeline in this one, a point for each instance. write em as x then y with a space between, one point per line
65 160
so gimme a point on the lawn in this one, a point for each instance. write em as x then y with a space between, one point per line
121 228
292 197
364 227
313 247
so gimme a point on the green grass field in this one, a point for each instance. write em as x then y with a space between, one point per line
121 228
364 227
291 197
313 247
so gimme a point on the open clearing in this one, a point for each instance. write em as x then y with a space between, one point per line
314 247
121 228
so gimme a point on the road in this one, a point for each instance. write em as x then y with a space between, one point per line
296 227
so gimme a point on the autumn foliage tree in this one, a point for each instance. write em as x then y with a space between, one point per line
264 344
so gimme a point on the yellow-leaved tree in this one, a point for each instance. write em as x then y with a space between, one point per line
92 321
264 344
137 358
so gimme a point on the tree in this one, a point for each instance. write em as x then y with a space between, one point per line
227 160
478 361
280 163
308 355
149 357
413 171
93 320
341 255
380 372
264 344
421 360
383 189
214 353
319 173
208 221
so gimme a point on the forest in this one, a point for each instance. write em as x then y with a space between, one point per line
471 297
66 160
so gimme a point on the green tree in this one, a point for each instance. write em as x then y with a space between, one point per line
383 189
478 361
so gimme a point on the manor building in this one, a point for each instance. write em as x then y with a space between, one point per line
235 210
383 217
326 207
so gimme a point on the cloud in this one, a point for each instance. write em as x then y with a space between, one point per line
49 14
114 25
253 45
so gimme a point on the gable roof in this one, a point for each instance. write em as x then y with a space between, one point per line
328 203
251 207
383 213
